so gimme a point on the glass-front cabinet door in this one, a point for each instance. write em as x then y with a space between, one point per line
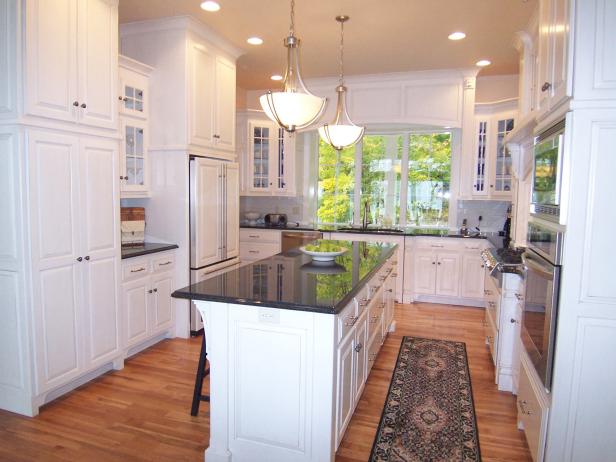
134 166
270 159
480 186
133 92
502 169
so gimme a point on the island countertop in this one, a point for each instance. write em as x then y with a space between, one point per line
292 281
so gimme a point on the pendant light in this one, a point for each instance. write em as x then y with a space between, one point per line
294 107
342 132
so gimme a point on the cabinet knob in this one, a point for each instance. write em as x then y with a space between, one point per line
217 136
439 263
75 103
120 98
434 263
155 290
87 257
546 86
79 258
150 291
513 321
83 105
358 347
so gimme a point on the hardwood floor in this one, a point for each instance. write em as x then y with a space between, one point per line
142 413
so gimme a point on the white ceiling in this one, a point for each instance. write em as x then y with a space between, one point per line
382 35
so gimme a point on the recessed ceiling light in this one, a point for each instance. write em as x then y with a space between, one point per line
210 5
255 41
483 63
276 77
456 36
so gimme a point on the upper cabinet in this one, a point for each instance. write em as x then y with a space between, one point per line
492 169
70 61
193 85
212 99
267 157
134 131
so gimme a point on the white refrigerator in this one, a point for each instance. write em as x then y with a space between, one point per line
214 221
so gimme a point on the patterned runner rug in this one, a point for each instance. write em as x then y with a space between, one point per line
429 413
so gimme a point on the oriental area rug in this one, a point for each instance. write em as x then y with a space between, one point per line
429 413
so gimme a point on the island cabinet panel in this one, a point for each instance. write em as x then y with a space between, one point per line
345 378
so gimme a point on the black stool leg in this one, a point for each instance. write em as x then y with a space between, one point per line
202 372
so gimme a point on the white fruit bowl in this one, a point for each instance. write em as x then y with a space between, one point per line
323 256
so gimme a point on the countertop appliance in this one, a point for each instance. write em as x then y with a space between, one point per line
547 173
295 239
542 283
276 219
214 222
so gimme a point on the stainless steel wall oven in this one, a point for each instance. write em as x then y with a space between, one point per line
542 271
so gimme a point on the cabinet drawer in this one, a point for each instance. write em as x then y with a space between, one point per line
474 244
375 316
165 263
437 244
260 235
257 251
374 346
491 334
135 269
532 414
345 320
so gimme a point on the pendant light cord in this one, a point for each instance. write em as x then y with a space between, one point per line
292 28
341 53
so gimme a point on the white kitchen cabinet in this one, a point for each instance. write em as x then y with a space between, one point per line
553 80
75 246
71 61
256 244
447 274
436 273
424 272
267 156
472 277
360 351
212 98
492 176
147 285
134 84
345 379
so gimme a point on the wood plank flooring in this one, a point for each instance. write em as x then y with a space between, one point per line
142 413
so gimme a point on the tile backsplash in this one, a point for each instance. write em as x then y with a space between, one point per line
294 207
493 213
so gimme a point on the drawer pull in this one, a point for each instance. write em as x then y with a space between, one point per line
374 319
165 264
358 347
394 275
253 251
492 304
137 270
487 292
513 321
364 301
372 357
390 290
438 246
253 236
519 297
351 320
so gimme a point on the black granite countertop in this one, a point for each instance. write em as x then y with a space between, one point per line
292 281
410 231
130 251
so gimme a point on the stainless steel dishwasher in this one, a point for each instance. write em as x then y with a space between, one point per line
295 239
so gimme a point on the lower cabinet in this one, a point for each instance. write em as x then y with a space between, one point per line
146 294
362 327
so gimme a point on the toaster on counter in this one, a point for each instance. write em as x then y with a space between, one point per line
276 219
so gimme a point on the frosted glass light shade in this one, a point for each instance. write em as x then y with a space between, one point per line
293 110
341 136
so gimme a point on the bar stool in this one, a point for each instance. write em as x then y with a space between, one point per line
202 372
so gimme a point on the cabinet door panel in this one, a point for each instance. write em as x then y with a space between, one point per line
51 58
54 194
99 198
472 276
134 155
162 310
135 302
361 344
232 213
57 324
560 35
225 104
202 98
101 305
424 273
98 62
544 73
448 275
206 216
345 386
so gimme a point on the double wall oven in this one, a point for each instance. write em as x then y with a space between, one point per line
542 268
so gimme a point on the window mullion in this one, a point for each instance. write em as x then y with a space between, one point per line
404 180
357 188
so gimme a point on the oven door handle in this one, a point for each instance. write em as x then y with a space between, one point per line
531 264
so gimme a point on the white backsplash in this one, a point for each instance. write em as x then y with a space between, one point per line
494 214
292 206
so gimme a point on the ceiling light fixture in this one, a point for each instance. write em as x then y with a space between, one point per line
342 132
210 5
456 36
255 41
294 107
276 77
483 63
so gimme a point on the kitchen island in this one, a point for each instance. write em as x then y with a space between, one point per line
291 343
